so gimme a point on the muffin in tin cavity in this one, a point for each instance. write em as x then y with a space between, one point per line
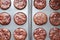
39 34
40 4
20 18
5 34
5 4
55 18
20 4
54 4
20 34
40 18
5 18
54 34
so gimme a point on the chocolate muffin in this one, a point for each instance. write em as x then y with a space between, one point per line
54 4
5 34
40 18
20 34
55 18
5 4
5 18
40 4
20 18
39 34
20 4
54 34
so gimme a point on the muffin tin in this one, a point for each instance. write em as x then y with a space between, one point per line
29 26
12 25
47 26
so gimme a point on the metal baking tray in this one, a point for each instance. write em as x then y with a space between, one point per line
47 10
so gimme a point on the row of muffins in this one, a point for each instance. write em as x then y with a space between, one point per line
40 34
41 4
20 18
39 18
19 4
21 34
18 34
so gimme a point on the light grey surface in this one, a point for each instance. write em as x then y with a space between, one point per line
47 10
30 19
12 26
